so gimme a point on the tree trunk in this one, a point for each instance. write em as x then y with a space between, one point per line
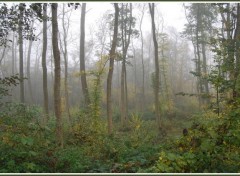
110 71
44 65
236 92
123 97
28 65
156 81
82 56
135 79
65 52
203 45
126 95
125 44
21 75
13 54
205 82
3 54
199 59
57 76
143 70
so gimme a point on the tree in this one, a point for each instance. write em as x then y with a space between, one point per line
18 18
225 45
112 55
156 75
126 21
65 55
237 45
143 69
20 34
201 18
44 65
57 76
13 54
29 63
82 56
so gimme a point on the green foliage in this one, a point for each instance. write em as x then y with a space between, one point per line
73 160
211 145
6 83
23 140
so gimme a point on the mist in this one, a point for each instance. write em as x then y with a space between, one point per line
118 87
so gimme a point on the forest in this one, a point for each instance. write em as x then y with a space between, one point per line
119 88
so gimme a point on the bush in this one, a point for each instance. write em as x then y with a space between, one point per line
24 141
211 145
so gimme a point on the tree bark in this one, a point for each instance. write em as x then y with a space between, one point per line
123 97
199 71
82 56
57 76
21 75
135 79
156 81
110 71
236 92
65 54
28 65
203 45
13 54
125 44
44 65
143 69
3 54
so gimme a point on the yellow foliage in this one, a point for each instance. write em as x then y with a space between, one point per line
63 104
6 139
135 121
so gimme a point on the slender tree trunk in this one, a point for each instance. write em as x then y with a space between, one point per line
126 95
65 52
16 55
135 79
199 71
13 54
28 66
123 100
110 71
143 69
57 78
3 54
236 92
44 65
156 81
123 97
82 56
52 69
203 45
205 68
149 61
22 100
126 35
118 85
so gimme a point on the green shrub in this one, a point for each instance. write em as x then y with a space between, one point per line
211 145
24 140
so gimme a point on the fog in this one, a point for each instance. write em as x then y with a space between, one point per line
177 51
119 87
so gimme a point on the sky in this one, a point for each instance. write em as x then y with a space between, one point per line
172 12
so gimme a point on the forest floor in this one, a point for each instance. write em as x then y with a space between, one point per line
211 144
